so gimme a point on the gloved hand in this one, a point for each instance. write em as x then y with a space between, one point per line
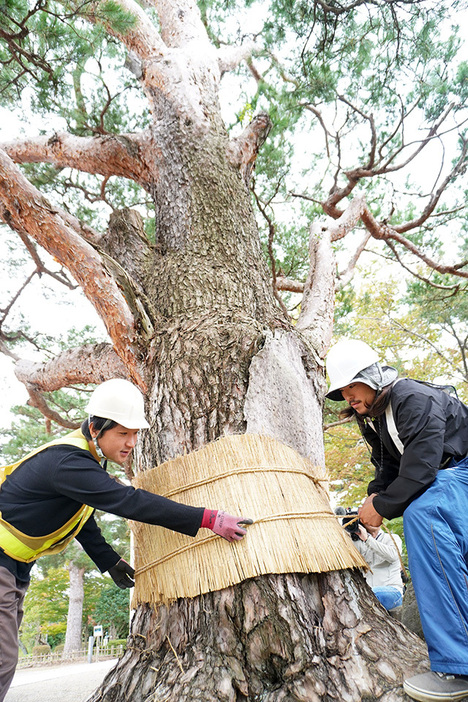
122 574
225 525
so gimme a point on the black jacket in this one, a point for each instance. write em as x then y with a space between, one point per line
44 492
432 426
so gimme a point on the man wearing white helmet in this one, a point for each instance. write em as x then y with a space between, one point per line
49 496
418 436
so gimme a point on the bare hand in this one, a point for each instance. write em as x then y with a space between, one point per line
362 533
368 514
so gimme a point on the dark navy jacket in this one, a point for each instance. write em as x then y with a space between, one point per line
433 428
45 491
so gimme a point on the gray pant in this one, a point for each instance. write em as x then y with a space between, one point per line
12 593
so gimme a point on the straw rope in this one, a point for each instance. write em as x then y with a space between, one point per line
248 475
196 544
403 567
238 471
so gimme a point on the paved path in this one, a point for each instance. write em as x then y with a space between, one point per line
73 682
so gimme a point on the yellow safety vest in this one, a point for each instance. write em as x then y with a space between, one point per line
26 548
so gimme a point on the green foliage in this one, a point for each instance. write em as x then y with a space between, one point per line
75 70
30 429
112 611
416 328
28 432
46 607
338 81
346 85
118 642
119 19
348 465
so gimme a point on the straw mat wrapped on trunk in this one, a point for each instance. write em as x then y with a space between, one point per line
294 530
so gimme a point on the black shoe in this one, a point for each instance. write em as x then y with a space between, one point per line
436 687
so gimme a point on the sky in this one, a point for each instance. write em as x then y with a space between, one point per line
49 309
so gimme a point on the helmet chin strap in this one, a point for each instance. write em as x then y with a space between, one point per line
98 448
101 456
99 451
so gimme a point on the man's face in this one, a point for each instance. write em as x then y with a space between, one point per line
359 396
117 443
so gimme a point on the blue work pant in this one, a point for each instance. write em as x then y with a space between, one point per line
388 596
436 534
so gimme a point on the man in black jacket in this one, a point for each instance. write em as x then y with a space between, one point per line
48 498
418 435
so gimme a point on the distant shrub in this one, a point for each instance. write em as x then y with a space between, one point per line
118 642
42 650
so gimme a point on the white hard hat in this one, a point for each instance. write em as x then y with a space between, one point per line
345 360
121 401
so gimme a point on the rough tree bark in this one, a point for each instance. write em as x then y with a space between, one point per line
300 638
193 319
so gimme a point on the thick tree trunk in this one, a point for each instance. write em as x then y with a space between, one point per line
223 360
73 640
295 638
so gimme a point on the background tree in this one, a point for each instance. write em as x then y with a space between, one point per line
192 313
112 611
45 617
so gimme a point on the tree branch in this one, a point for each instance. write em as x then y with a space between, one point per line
425 280
345 277
316 316
181 23
38 401
91 363
459 167
445 358
372 169
5 350
243 150
6 310
289 285
348 219
229 57
385 232
178 66
24 209
358 209
271 237
338 423
141 37
40 267
111 155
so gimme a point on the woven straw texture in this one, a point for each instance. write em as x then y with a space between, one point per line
294 530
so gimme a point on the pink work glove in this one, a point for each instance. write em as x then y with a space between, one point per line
224 524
